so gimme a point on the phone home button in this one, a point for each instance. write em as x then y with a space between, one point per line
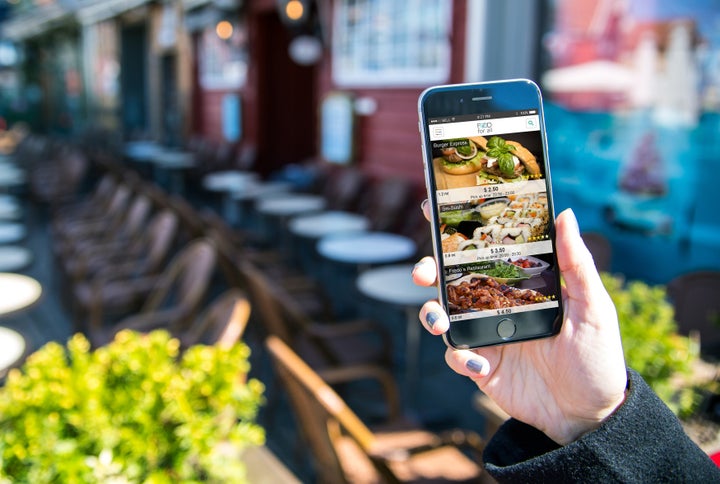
506 328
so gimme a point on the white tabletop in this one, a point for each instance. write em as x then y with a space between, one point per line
260 190
366 248
17 292
12 347
14 257
141 150
393 284
9 208
229 180
324 223
11 232
174 159
291 205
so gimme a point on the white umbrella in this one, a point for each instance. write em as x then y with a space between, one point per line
595 76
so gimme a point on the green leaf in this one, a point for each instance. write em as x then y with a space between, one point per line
506 163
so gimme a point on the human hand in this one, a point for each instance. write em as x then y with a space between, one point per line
564 385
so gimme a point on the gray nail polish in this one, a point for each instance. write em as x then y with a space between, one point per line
475 366
431 318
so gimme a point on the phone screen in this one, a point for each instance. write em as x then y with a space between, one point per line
489 185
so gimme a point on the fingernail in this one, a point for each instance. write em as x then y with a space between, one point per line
573 220
475 366
423 204
431 318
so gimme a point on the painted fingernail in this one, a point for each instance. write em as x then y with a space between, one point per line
431 318
475 366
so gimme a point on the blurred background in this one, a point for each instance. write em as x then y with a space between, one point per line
319 98
632 92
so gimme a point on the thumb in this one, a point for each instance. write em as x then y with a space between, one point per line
574 259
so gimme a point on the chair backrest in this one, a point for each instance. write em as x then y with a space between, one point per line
158 240
697 307
386 203
261 294
343 187
600 248
135 218
321 413
184 282
222 323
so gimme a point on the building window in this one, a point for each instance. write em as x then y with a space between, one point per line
391 42
223 58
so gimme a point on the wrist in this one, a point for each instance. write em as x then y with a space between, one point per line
577 428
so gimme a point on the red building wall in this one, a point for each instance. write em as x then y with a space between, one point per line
388 141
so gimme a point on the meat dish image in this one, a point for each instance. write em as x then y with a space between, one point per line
478 292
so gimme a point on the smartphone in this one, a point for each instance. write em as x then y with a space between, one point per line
488 181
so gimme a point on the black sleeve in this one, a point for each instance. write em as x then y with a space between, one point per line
641 442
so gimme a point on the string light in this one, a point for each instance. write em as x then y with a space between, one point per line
294 10
224 29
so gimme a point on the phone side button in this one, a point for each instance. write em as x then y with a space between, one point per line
506 328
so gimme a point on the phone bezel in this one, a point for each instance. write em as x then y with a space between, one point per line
495 96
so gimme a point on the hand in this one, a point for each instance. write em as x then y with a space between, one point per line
565 385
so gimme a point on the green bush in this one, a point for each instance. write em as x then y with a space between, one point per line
134 411
651 343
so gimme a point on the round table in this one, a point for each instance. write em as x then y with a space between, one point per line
276 211
12 348
11 232
17 292
228 180
238 201
366 248
10 208
226 183
14 258
290 205
141 150
394 285
321 224
173 162
307 229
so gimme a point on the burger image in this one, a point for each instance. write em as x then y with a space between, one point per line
461 156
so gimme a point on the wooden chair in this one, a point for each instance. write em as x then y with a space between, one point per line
387 203
346 450
142 255
91 205
130 228
176 295
222 323
94 222
342 351
697 307
599 247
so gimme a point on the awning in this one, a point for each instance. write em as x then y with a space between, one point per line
36 22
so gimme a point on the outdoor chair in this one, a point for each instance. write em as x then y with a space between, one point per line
115 239
386 204
175 295
344 352
697 307
96 202
599 247
93 223
221 323
344 449
141 257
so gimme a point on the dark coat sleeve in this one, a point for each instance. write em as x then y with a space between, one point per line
641 442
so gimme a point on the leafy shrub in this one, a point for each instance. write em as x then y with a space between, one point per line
134 411
651 343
